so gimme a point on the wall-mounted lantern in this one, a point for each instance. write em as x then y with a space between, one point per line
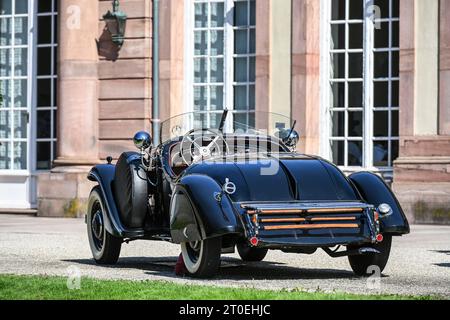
116 22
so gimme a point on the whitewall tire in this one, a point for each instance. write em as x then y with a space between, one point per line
105 247
202 258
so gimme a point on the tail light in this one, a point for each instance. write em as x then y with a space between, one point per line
254 241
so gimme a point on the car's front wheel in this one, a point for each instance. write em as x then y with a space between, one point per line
104 247
361 264
202 258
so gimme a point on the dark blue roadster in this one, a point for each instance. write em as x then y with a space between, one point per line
214 184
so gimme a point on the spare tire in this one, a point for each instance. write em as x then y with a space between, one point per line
131 190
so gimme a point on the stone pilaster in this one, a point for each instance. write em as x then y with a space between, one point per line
263 52
444 65
306 73
281 53
64 190
422 172
77 83
171 60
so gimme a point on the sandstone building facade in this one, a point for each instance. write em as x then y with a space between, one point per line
367 80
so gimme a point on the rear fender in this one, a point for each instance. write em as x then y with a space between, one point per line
375 191
196 214
104 175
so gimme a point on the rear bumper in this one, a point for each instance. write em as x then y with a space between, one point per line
301 224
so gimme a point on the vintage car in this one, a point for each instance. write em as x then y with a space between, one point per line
220 181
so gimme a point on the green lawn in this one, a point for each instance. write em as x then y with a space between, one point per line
48 288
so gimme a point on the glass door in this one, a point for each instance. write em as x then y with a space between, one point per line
16 100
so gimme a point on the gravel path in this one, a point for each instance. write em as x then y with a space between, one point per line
419 264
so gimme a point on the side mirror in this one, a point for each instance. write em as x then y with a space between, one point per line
289 137
142 140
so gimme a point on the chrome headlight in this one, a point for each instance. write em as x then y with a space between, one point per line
142 140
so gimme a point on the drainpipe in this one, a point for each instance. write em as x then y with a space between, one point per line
155 110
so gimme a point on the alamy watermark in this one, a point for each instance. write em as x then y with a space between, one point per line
373 12
73 21
373 282
74 278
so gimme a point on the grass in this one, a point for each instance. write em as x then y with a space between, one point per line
14 287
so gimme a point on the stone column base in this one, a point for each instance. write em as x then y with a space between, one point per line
64 192
427 203
422 185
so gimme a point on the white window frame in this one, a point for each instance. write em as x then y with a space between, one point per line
229 56
368 80
26 180
30 90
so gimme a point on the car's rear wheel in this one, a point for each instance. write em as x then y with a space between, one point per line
251 254
105 247
202 258
361 263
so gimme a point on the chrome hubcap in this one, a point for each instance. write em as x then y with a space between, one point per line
97 228
193 249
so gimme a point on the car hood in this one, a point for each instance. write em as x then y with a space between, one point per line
286 178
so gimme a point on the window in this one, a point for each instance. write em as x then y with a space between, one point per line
14 84
27 95
46 83
223 59
363 83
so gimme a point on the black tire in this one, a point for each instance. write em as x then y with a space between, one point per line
361 263
202 258
105 247
250 254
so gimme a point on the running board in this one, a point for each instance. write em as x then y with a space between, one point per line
356 252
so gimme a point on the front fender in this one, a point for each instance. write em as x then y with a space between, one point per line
195 214
374 190
104 175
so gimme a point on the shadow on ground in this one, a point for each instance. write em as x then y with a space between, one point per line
231 269
442 251
444 264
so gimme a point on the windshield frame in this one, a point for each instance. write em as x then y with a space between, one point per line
230 125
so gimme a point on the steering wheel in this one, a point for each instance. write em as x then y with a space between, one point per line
201 144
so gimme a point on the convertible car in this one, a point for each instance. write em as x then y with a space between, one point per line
218 182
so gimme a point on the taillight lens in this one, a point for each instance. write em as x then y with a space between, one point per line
254 241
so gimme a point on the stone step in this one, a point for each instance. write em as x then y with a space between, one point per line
28 212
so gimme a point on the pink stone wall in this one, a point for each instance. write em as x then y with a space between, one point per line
171 60
407 59
125 78
262 85
306 72
117 92
104 97
444 62
422 172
